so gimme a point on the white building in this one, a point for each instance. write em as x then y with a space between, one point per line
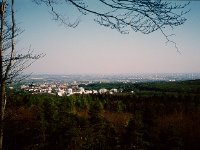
49 90
88 92
81 90
113 90
69 91
24 87
101 91
61 92
94 91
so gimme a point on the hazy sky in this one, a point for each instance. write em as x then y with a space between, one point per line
91 48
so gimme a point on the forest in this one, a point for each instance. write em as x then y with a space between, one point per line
141 116
146 119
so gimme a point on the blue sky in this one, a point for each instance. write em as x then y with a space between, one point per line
91 48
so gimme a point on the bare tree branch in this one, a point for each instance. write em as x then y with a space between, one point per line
145 16
11 63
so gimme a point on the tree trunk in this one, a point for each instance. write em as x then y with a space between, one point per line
2 110
2 81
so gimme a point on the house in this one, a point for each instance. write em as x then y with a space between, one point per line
61 92
69 91
101 91
113 90
81 90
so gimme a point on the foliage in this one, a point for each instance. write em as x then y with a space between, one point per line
143 120
190 86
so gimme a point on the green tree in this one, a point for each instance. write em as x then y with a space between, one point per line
96 110
171 139
122 15
133 139
150 124
11 63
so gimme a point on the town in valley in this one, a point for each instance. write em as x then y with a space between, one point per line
63 85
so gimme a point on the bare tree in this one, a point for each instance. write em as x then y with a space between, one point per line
11 63
145 16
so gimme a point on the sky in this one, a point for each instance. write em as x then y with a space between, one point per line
93 49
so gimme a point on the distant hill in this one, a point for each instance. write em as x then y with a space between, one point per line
188 86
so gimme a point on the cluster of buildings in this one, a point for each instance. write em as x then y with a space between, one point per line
62 89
